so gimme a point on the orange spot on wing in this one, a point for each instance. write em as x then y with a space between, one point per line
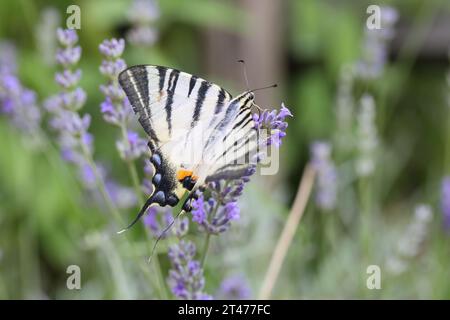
183 173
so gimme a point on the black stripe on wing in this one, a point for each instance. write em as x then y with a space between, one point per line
173 79
201 95
192 83
134 82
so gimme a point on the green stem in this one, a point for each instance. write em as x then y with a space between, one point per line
205 249
135 180
208 235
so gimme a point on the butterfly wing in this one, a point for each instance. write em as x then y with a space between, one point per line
173 107
238 147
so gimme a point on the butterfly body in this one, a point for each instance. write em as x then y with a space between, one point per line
197 131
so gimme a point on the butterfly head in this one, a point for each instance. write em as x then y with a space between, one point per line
246 99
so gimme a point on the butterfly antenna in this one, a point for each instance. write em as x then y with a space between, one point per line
141 212
244 68
263 88
163 233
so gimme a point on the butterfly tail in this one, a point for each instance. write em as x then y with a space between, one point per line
144 208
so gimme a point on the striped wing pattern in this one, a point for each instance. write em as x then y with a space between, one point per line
193 125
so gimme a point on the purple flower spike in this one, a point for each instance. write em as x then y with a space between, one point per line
326 189
234 288
16 101
116 108
67 37
214 213
274 123
186 279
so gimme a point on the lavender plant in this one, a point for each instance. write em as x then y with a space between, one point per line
375 46
75 141
326 188
16 101
117 111
186 278
234 287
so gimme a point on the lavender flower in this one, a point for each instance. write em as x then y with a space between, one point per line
274 123
75 141
17 102
186 278
367 137
142 15
131 148
375 47
116 108
234 288
326 189
214 212
445 202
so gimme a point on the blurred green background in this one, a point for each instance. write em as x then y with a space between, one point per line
304 46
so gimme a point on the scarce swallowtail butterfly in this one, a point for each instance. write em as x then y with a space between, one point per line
197 131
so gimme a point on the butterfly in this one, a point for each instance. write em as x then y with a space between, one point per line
197 131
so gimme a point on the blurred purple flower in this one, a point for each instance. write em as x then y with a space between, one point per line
18 103
123 197
326 188
186 278
131 148
158 219
68 56
66 37
112 68
68 79
142 15
445 202
375 46
234 288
